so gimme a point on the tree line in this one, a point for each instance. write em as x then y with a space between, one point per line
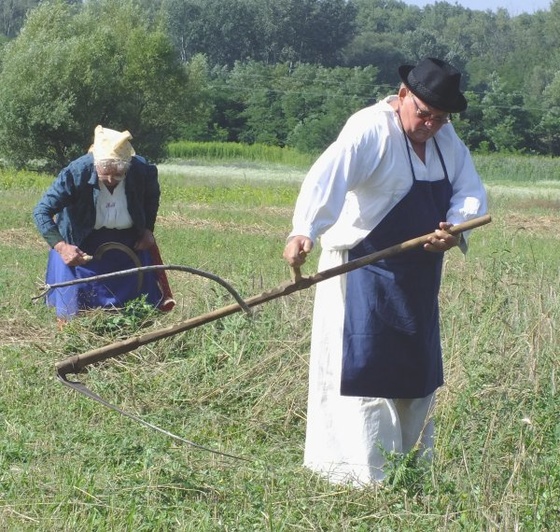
277 72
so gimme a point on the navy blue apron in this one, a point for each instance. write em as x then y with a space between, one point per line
391 344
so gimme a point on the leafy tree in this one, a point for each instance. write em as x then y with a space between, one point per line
380 25
185 26
73 67
223 30
323 29
368 49
310 31
303 105
340 93
209 98
14 12
423 43
12 15
256 87
386 17
469 124
506 122
548 130
272 31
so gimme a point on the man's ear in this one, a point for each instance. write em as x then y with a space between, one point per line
402 91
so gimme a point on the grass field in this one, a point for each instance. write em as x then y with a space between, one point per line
239 385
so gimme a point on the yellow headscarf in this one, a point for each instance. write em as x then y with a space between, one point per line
111 144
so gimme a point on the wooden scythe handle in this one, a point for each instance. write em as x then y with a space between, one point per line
77 363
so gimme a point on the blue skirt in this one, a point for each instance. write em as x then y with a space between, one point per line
108 293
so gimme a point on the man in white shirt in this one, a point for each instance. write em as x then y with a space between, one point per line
397 170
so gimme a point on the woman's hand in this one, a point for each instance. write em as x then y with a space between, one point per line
70 254
146 241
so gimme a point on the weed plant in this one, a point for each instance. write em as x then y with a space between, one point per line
238 385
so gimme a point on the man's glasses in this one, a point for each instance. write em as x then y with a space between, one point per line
428 116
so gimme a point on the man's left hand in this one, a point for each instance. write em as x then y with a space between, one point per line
441 240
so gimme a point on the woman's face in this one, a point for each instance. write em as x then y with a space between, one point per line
111 172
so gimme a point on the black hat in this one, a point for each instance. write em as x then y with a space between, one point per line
436 83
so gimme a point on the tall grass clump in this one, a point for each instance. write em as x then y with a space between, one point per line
509 168
23 180
225 151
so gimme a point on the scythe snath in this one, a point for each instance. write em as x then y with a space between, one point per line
77 363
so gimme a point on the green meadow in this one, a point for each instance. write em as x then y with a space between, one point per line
238 385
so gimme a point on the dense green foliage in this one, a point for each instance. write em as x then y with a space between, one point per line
239 385
265 30
73 68
279 72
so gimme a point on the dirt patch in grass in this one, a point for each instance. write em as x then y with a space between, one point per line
545 225
539 204
180 220
22 237
18 331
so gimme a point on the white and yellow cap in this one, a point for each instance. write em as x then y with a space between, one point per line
112 145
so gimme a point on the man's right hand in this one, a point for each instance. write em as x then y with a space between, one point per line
297 249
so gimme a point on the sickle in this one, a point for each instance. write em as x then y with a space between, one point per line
108 246
83 389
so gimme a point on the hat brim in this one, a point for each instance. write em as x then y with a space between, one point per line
456 103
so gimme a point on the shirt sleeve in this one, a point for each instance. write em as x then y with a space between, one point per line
336 172
469 198
152 197
57 196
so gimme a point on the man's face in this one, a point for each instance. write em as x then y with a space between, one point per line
421 121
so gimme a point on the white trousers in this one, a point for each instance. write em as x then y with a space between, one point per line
349 442
348 438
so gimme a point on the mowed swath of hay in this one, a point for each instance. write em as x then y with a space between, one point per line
188 221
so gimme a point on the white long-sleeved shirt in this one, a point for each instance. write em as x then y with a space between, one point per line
359 178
